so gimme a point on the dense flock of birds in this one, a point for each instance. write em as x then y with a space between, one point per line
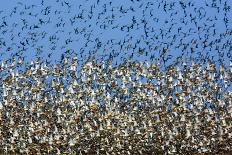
134 108
116 77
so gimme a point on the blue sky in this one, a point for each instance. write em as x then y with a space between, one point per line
89 36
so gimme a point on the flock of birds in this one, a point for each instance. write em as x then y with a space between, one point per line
133 108
135 77
152 30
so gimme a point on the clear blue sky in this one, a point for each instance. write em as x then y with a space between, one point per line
160 16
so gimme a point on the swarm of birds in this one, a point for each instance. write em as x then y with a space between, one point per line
133 108
135 77
164 29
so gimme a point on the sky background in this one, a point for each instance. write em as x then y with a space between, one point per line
118 28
